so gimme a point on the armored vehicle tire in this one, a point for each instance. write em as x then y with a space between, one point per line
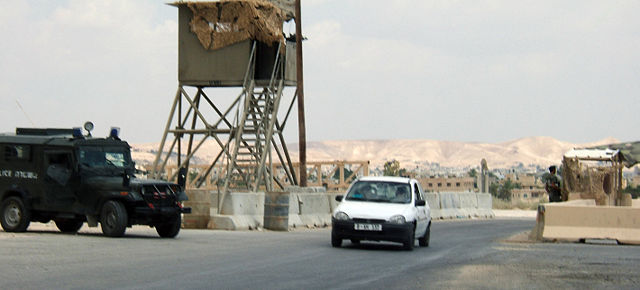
15 216
68 225
113 219
424 240
170 229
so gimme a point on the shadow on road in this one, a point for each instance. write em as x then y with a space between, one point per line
376 246
89 234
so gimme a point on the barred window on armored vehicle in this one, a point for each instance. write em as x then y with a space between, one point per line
17 152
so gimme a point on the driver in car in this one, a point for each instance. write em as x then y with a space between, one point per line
401 195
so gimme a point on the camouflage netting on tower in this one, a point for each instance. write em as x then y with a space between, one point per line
588 182
223 23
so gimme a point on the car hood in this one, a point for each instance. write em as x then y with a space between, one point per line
372 210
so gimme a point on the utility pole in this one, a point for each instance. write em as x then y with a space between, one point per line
302 134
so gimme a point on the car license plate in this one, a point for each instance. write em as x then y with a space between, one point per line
368 227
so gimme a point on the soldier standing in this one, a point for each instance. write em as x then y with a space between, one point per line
553 185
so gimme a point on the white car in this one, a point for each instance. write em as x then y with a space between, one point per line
382 209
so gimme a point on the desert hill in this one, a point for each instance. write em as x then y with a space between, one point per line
530 150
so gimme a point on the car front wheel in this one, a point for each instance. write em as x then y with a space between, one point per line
424 240
411 240
336 241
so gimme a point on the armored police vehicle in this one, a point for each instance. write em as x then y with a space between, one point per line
61 175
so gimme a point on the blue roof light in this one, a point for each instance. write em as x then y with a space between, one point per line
77 132
114 133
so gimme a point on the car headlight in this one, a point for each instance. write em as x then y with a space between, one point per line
397 219
341 216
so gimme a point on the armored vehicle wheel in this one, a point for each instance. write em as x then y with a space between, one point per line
424 240
170 229
113 219
15 216
68 225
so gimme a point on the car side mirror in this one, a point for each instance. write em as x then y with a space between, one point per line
339 197
421 203
126 177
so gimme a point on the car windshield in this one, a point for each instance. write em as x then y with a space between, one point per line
101 157
380 191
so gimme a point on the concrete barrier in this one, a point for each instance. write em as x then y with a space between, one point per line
468 204
575 222
449 205
312 207
433 200
485 205
308 207
240 211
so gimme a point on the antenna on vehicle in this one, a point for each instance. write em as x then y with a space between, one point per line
25 113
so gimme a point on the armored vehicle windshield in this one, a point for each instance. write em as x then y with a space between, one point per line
104 156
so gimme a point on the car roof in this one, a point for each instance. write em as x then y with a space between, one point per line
386 178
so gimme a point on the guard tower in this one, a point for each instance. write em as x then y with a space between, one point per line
226 45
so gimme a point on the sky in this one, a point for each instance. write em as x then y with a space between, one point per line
474 71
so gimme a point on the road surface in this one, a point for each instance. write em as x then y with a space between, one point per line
462 254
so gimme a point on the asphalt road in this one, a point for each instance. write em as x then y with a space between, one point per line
462 254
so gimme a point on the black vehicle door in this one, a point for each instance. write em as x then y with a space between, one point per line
58 177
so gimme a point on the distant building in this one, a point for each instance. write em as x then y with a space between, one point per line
448 184
525 180
528 195
531 188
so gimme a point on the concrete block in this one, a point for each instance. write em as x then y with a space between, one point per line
577 222
243 203
235 222
310 209
450 205
469 204
433 199
468 200
485 200
436 214
579 202
315 220
314 203
485 205
311 189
